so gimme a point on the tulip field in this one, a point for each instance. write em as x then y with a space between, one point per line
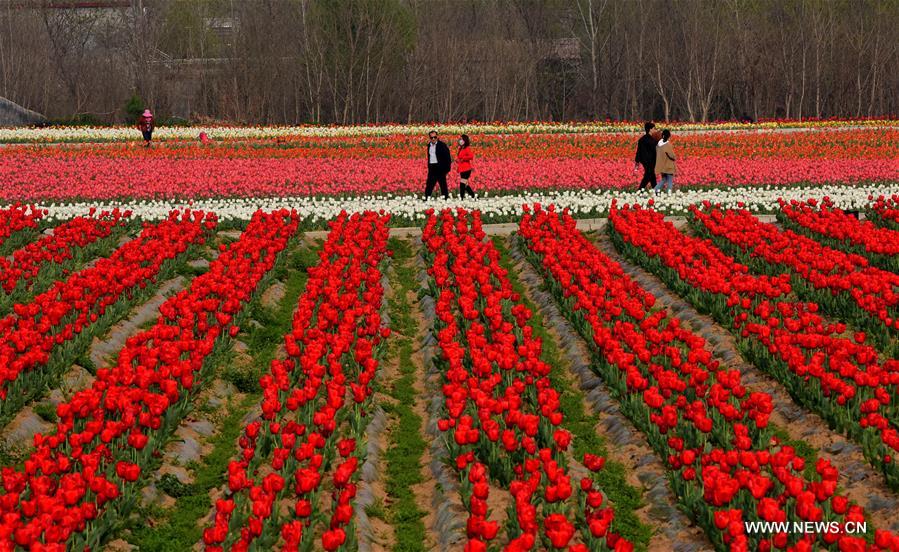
311 166
270 342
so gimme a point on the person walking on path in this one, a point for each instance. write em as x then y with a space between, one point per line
146 126
439 165
646 157
666 164
463 164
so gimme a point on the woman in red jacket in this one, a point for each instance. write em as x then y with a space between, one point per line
463 164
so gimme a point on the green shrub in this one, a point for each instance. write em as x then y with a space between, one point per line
244 378
134 107
172 486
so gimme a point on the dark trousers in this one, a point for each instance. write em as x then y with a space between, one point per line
436 175
649 177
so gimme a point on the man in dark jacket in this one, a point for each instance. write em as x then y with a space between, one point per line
439 164
646 156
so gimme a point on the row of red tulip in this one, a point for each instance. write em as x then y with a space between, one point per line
885 210
842 283
502 415
61 245
48 322
695 412
837 229
309 428
80 479
17 217
840 378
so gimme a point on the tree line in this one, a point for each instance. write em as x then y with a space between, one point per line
370 61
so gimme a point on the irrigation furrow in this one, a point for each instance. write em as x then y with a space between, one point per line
672 529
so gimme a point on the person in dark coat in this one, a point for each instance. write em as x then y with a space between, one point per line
646 157
439 164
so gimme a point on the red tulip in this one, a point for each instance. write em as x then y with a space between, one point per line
333 538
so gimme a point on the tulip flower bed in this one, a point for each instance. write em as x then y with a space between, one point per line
41 337
358 165
52 255
836 229
885 211
852 144
309 469
99 134
407 210
314 408
80 481
18 226
502 415
240 133
695 413
841 283
841 379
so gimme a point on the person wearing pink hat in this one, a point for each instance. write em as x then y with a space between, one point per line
145 124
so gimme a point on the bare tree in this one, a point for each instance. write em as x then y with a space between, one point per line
594 41
285 61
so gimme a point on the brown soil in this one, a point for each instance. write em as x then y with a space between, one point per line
383 538
498 502
424 491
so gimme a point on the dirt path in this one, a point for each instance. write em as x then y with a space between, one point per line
398 495
104 349
858 480
645 470
373 532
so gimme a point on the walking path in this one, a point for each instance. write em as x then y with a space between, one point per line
507 228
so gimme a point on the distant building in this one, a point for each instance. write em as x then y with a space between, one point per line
13 114
72 4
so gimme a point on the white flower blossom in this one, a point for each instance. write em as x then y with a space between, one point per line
411 208
127 133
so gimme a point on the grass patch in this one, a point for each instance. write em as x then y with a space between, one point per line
191 272
612 478
46 411
11 458
177 528
403 456
267 332
245 377
85 362
172 486
803 449
376 510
